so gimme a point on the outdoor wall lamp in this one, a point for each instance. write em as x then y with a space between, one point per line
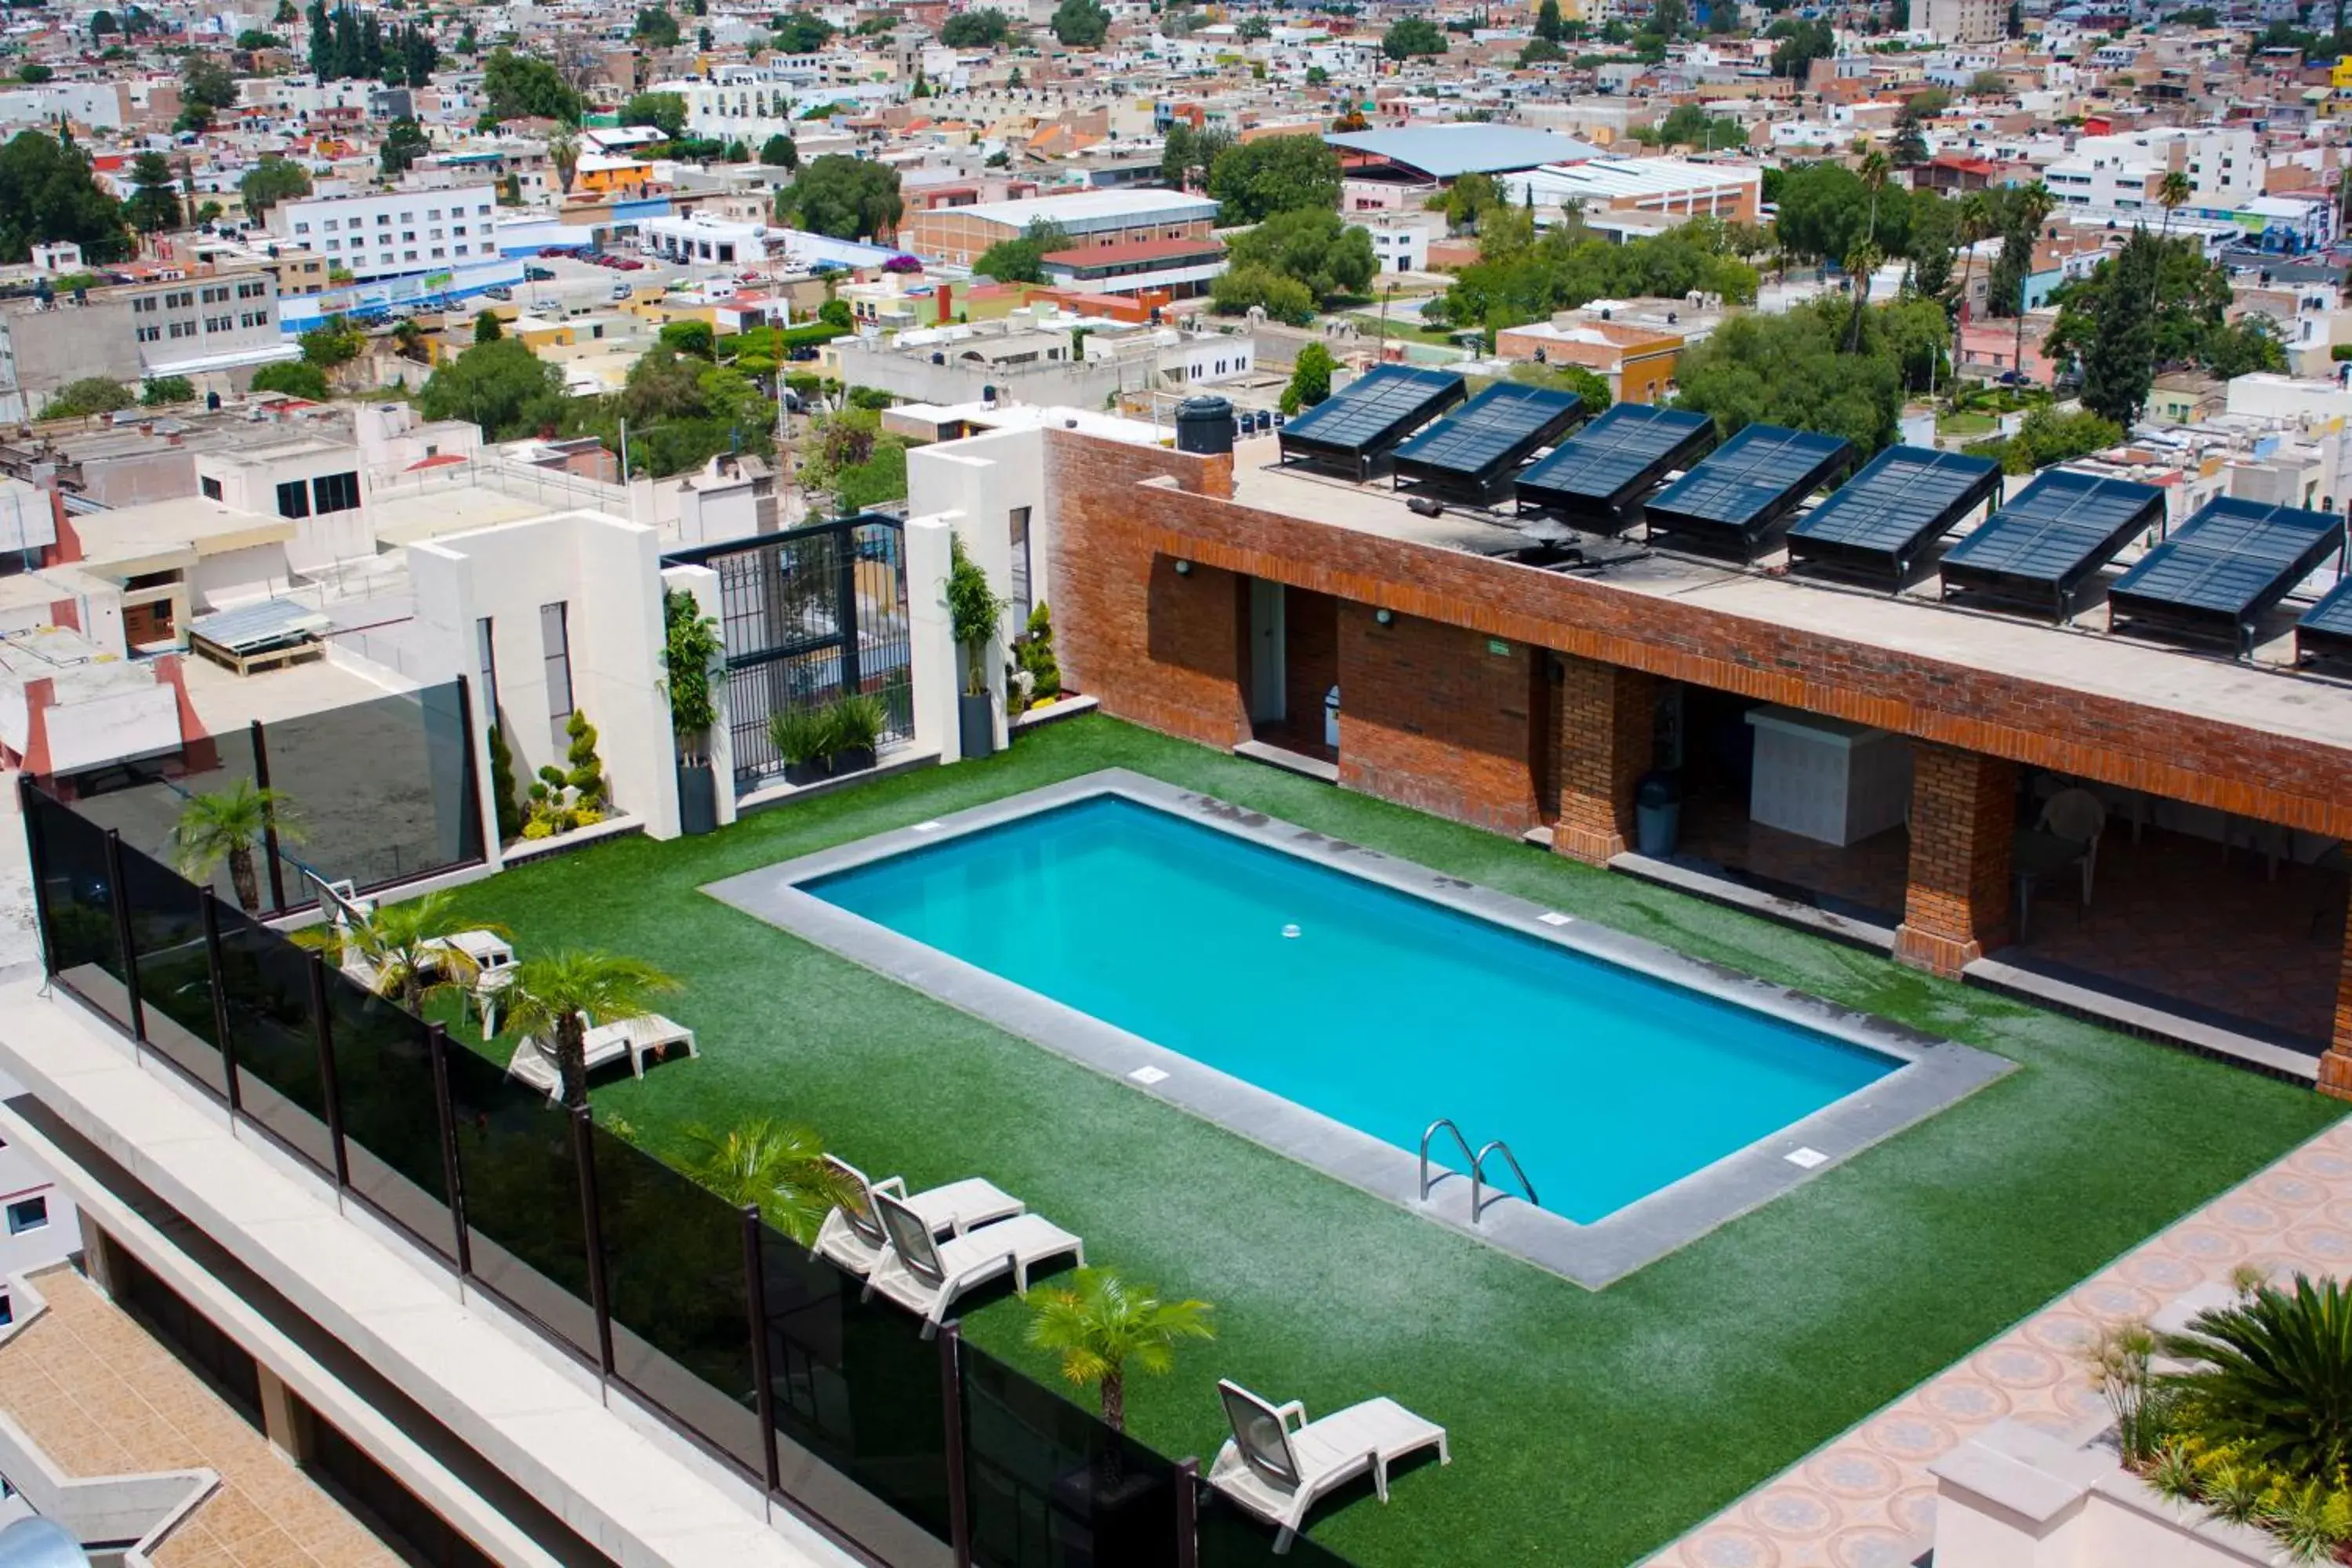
1385 616
1183 568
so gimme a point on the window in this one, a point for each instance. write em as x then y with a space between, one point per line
216 296
335 492
183 329
554 640
146 306
8 1316
433 214
486 647
305 228
27 1214
483 210
293 498
383 220
149 334
1019 528
404 255
211 486
407 236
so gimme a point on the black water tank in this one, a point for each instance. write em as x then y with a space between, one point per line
1204 426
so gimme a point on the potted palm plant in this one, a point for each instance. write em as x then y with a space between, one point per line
802 736
226 824
406 947
974 612
691 649
553 998
774 1166
1099 1324
857 721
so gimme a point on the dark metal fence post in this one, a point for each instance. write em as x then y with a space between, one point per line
583 1151
329 1088
29 800
437 1047
269 819
845 611
755 1293
208 906
121 895
951 1405
1187 1513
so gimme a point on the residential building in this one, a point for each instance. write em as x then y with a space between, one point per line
1964 21
1165 269
392 234
1091 218
216 327
1637 360
1671 187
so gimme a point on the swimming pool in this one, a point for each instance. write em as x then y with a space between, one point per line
1341 1000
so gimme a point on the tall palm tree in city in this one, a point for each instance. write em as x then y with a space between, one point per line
1975 224
2033 206
227 825
1861 262
2172 192
1875 170
563 152
406 947
553 998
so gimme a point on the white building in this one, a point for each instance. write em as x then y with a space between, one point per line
2223 163
1966 21
386 236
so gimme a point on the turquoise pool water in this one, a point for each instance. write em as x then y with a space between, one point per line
1383 1011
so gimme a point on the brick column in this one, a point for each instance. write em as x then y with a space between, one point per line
1963 822
1608 729
2336 1063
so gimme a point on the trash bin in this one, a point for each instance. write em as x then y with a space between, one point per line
1658 812
1332 718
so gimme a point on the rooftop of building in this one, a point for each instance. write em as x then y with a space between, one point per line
1446 151
1136 250
1084 211
166 534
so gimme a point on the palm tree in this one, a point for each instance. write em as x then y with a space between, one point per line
2275 1373
1861 263
407 946
2171 192
225 825
2033 205
563 152
1875 171
775 1167
1975 223
1100 1323
555 998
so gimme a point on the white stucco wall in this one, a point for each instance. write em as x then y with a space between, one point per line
133 722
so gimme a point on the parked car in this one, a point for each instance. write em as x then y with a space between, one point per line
539 274
629 264
498 291
622 291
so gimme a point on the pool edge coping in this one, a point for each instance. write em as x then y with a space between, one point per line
1934 1074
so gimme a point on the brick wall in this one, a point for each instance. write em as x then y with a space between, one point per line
2336 1064
1607 736
1112 528
1963 821
1433 718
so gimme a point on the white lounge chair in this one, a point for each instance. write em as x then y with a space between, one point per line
634 1039
925 1276
1277 1471
853 1235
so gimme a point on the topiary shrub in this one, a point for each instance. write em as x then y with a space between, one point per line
587 775
1035 653
502 785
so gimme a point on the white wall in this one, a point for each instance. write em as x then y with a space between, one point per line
974 484
139 721
607 571
237 577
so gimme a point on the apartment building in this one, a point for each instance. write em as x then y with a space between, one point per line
380 236
1965 21
215 328
2224 165
1092 218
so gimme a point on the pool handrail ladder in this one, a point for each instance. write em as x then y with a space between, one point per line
1429 1132
1478 1174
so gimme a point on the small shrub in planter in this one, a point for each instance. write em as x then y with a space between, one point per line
801 736
857 721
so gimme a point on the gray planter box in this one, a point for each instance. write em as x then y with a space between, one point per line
976 725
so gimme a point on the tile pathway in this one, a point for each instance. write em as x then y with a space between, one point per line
101 1396
1866 1500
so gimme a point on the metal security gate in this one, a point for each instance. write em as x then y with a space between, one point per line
806 617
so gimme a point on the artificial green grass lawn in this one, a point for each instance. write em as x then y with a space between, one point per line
1587 1427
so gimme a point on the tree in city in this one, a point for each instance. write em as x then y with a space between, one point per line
1973 219
1591 390
204 82
91 395
1862 263
2161 300
102 25
271 181
405 142
2027 207
1669 19
501 387
1312 246
656 29
846 198
564 157
1794 370
1520 277
778 153
333 341
229 826
1080 23
1186 154
1310 379
694 339
294 378
802 32
1102 1326
1471 197
550 999
1541 52
773 1166
1251 181
406 947
1688 125
1240 290
163 391
1255 29
1023 260
1410 37
1933 226
253 40
2172 193
49 196
1548 25
487 328
665 111
984 29
519 87
1875 170
154 202
1824 209
1797 45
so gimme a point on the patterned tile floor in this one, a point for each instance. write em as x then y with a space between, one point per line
1866 1500
101 1396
